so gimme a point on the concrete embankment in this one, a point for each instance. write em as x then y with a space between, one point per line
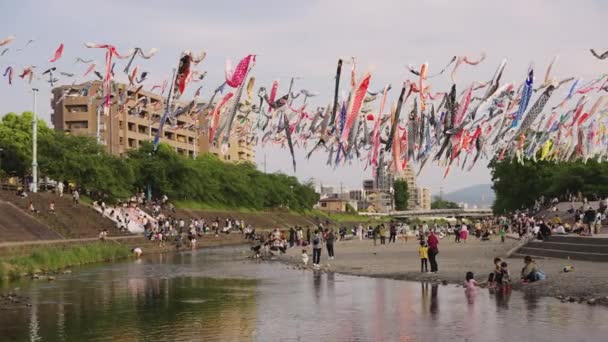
20 259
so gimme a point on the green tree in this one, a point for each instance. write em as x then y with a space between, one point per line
16 142
519 185
439 203
401 194
206 179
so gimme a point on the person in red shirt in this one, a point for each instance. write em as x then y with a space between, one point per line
433 243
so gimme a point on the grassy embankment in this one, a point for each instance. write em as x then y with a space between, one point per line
335 218
50 259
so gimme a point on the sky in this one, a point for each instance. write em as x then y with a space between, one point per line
304 39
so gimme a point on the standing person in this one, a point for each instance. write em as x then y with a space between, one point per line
300 235
382 234
317 244
75 196
457 233
464 233
60 189
52 207
308 236
375 233
393 233
502 232
589 220
292 237
329 243
470 286
360 232
423 253
433 243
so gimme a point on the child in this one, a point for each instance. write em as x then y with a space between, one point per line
505 275
423 253
502 234
470 286
305 258
52 207
137 252
495 277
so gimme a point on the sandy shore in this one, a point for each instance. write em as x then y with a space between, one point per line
400 261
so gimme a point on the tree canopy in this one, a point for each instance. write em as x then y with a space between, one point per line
401 194
206 179
439 203
518 185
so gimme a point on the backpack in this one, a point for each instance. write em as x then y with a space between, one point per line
316 240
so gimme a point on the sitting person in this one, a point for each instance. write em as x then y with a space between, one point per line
560 230
531 272
486 235
305 257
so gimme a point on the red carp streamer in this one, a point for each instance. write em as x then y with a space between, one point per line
57 55
355 105
215 116
234 79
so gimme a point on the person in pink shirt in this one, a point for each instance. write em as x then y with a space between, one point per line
433 243
470 286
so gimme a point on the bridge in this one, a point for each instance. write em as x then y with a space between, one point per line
460 212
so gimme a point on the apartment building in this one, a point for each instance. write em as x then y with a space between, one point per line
75 110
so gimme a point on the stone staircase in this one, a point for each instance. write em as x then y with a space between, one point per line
564 247
18 225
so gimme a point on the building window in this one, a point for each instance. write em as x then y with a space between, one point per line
77 108
77 124
324 205
121 141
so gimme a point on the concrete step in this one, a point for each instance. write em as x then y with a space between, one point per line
572 247
578 239
560 254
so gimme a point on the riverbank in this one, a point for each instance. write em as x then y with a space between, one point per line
48 258
400 261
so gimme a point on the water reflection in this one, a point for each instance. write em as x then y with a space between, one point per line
214 296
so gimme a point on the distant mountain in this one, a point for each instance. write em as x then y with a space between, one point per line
480 195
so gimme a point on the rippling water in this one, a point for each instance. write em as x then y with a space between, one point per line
217 295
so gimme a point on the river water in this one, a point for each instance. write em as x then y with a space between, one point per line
218 295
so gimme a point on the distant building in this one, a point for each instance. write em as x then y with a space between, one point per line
380 200
419 197
369 184
326 190
75 110
334 205
384 178
356 195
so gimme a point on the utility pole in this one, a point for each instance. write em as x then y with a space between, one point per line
264 162
98 133
34 145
